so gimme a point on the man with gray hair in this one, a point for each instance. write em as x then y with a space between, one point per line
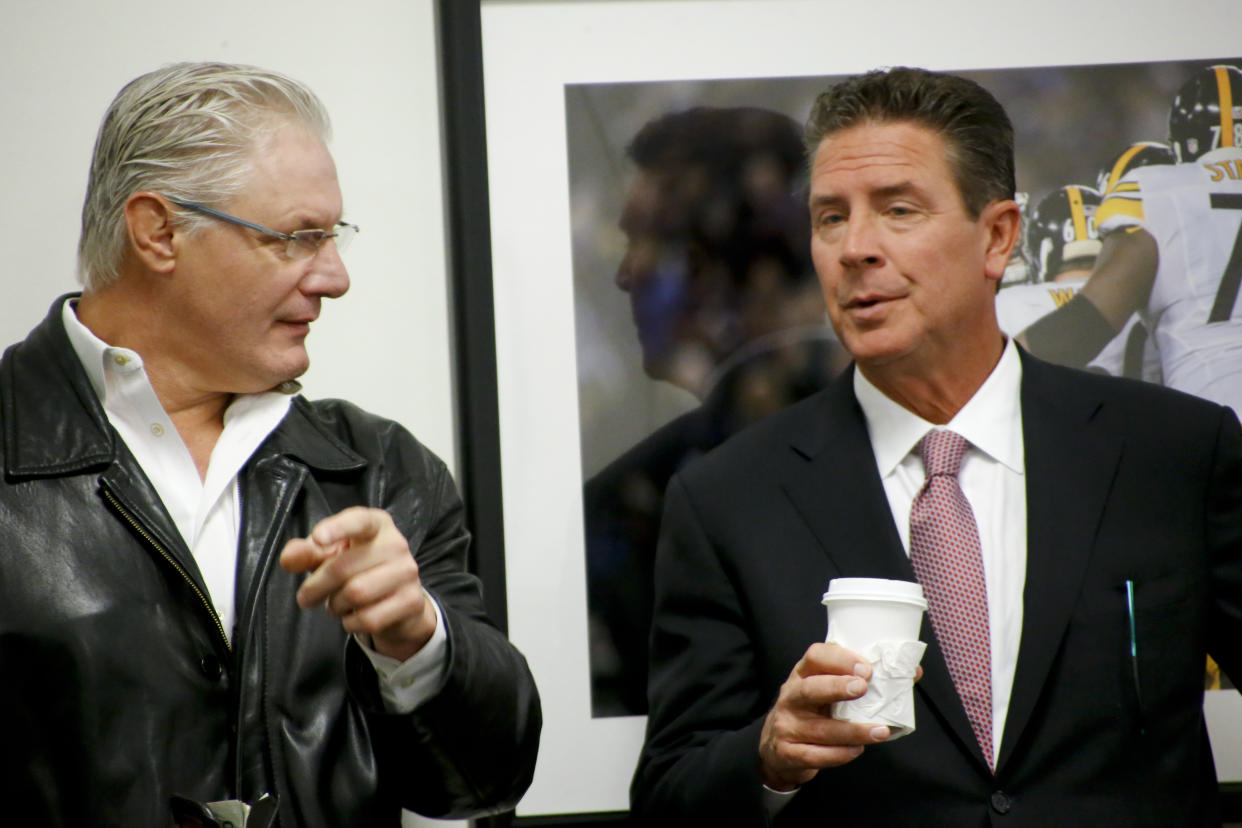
172 510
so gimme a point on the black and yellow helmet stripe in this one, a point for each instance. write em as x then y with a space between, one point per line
1119 169
1224 93
1074 195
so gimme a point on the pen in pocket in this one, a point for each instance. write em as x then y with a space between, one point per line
1134 664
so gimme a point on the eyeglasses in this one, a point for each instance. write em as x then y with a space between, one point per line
301 244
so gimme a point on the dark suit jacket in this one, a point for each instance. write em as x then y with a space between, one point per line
1125 481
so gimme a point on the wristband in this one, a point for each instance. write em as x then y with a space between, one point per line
1071 335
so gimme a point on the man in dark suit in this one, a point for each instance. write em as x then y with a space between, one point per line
1105 519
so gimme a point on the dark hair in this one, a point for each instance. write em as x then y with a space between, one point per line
973 124
735 186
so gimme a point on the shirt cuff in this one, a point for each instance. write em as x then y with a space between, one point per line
404 685
774 801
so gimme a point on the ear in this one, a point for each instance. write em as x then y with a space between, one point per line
1003 220
149 224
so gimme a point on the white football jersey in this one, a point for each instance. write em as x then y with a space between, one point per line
1194 212
1020 306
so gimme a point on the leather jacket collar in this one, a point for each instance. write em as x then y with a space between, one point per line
74 434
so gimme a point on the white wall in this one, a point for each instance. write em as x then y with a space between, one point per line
384 346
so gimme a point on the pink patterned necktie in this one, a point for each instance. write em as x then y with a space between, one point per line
945 552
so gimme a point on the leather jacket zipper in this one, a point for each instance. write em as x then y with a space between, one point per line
138 527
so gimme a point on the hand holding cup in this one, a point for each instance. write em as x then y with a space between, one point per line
800 736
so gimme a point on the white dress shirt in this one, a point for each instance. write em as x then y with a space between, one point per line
993 478
207 511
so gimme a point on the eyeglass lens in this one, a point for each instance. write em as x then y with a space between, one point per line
305 243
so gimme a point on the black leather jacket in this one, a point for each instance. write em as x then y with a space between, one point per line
117 684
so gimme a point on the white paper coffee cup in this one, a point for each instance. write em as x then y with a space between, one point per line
879 620
862 611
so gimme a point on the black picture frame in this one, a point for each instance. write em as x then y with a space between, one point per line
459 29
472 308
474 333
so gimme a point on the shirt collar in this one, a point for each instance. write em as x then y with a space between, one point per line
991 420
98 358
95 354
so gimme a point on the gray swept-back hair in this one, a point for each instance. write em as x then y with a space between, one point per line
186 131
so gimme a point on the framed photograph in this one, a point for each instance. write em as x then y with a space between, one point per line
555 375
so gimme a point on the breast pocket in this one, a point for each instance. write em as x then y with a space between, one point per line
1167 658
1136 642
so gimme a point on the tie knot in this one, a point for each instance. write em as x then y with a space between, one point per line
942 452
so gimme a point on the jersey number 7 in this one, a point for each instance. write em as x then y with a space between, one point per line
1231 279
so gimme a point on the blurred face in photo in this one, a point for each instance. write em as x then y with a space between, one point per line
664 280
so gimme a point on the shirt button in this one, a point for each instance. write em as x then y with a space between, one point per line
408 681
120 359
1001 802
157 429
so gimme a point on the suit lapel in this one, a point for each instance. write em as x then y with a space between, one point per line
835 487
1070 464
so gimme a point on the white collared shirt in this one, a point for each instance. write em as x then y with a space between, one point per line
207 511
993 478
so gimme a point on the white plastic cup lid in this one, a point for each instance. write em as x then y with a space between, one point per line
875 589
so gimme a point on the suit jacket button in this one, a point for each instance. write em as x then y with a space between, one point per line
210 665
1001 802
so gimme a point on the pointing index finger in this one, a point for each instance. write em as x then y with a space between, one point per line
305 555
357 523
